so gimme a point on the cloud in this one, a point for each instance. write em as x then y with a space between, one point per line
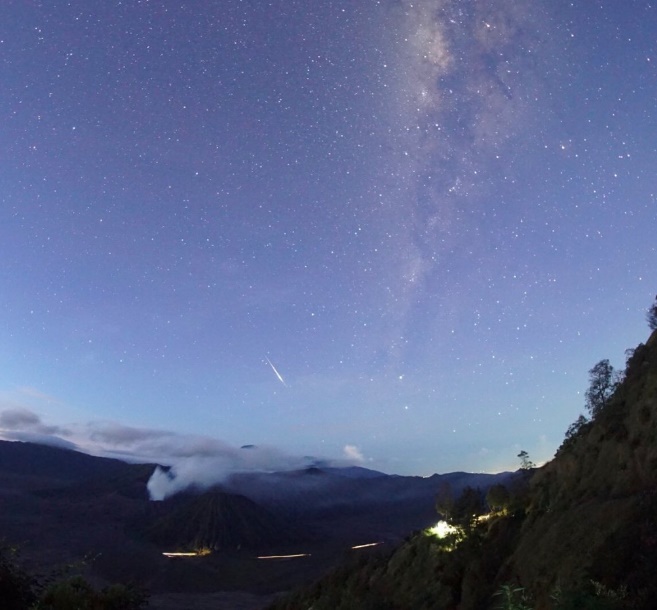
34 393
187 460
190 460
19 418
40 439
353 453
119 435
206 469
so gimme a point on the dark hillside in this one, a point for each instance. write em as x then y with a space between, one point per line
593 511
55 464
581 532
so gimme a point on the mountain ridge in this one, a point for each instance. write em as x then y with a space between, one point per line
62 506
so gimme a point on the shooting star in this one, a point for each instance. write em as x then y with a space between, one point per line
273 368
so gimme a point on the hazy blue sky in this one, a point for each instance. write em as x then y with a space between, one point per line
401 231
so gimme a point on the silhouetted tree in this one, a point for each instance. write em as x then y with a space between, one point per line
574 430
468 506
498 497
576 427
651 316
525 462
445 501
602 384
462 511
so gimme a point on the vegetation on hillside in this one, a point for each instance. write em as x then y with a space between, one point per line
20 590
578 533
651 316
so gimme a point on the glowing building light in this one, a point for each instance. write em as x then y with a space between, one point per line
442 529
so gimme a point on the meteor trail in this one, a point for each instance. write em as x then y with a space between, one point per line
273 368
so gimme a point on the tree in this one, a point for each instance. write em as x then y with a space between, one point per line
445 501
467 508
525 462
574 430
602 384
576 427
651 316
498 498
462 511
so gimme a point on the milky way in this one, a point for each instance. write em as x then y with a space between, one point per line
395 232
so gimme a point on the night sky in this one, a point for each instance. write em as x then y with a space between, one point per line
394 232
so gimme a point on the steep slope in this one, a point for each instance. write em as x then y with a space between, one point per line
581 532
593 510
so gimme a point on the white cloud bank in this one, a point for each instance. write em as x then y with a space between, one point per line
188 460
